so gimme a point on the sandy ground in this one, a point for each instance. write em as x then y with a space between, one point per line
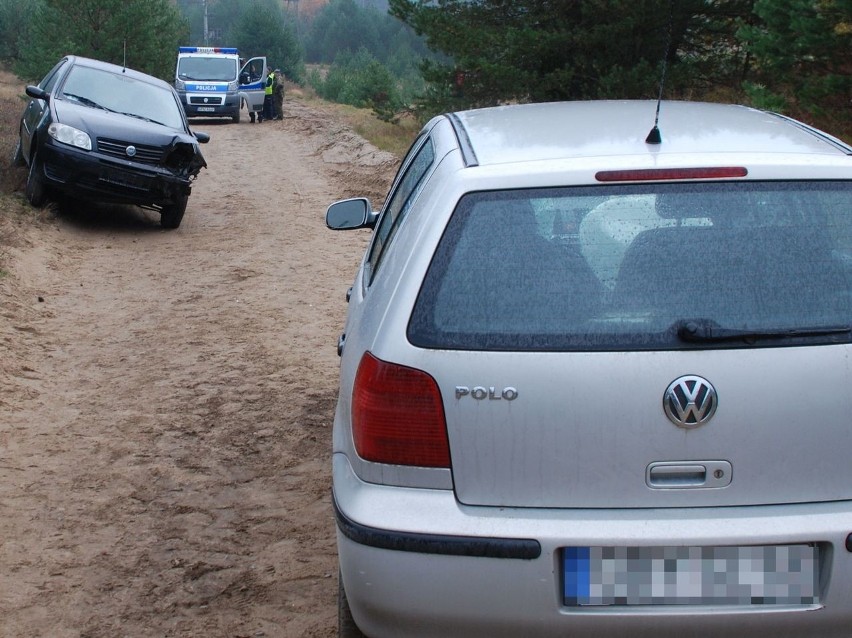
166 397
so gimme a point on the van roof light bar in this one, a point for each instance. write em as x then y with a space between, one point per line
229 50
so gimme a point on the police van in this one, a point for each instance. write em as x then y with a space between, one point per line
212 82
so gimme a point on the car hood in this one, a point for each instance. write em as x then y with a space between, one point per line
101 124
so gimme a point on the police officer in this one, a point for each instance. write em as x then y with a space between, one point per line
268 112
278 94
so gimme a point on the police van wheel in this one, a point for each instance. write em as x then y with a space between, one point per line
236 118
172 215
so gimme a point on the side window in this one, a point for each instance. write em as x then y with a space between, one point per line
49 80
399 202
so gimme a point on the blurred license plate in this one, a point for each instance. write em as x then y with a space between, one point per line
206 109
126 180
770 575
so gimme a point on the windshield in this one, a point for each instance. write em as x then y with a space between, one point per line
209 69
98 88
657 266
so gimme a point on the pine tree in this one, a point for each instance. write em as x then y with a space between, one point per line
143 34
803 59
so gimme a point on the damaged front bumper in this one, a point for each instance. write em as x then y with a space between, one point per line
153 176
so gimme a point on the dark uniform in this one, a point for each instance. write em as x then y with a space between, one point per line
278 94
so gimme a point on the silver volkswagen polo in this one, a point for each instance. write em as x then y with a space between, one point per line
595 383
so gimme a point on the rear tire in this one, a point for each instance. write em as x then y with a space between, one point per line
36 190
346 627
172 215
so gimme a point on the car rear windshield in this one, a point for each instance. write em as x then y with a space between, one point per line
653 266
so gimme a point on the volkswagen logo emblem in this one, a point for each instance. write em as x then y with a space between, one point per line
690 401
131 151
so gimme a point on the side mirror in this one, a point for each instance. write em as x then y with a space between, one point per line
202 138
350 213
38 93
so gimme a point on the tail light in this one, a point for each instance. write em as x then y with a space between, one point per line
398 415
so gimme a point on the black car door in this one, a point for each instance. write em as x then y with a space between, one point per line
35 110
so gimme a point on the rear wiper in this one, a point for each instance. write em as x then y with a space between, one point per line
707 331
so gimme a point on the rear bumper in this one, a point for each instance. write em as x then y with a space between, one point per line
415 562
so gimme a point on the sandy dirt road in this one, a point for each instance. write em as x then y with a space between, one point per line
166 398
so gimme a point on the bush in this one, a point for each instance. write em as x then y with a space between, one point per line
362 81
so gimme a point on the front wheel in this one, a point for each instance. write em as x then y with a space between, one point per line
346 627
172 215
36 189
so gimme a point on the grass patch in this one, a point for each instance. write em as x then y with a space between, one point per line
393 138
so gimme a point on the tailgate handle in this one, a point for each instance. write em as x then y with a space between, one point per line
688 475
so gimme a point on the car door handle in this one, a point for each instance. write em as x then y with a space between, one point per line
688 474
341 341
349 294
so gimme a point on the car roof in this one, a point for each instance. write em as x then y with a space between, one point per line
607 128
114 68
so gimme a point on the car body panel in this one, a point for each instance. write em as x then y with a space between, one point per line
560 448
614 129
585 427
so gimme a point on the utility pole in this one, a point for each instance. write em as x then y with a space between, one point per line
206 30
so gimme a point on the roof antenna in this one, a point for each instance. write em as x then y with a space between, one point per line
654 137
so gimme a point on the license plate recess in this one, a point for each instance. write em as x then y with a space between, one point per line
729 575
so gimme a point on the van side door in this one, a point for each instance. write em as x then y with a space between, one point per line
252 81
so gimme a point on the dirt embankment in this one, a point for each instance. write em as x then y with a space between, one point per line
166 397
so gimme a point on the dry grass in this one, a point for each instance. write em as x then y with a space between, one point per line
394 138
15 214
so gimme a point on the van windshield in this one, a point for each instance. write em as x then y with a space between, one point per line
210 69
653 266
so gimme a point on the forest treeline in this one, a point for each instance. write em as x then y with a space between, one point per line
428 56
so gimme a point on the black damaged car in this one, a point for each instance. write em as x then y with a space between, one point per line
105 133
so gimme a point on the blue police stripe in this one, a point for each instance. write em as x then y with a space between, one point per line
207 86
